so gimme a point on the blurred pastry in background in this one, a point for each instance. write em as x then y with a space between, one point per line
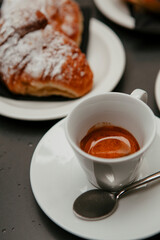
64 15
39 61
150 5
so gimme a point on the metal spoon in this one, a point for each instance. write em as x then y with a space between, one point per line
98 204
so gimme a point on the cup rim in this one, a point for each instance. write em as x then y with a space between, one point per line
110 160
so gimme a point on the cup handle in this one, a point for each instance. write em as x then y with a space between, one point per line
140 94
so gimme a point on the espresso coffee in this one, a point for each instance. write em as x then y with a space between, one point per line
107 141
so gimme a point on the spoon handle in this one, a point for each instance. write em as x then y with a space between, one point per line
139 183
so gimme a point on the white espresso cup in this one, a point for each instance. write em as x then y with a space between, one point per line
126 111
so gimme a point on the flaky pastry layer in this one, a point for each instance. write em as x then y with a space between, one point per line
39 61
64 15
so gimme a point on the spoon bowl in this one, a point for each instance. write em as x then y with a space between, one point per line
95 204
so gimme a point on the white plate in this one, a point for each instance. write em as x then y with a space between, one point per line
157 90
117 11
57 179
106 56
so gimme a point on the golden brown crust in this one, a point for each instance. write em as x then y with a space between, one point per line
42 62
66 17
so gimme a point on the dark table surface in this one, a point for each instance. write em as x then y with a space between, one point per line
20 215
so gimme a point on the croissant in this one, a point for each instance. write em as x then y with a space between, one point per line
64 15
37 60
151 5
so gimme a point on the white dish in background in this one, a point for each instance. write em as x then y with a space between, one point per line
117 11
157 90
106 56
57 179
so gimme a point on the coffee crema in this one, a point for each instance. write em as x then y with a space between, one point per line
108 141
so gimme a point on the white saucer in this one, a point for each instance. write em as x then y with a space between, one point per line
57 179
157 90
106 56
117 11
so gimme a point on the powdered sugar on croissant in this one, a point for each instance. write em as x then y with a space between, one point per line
64 15
41 62
12 24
